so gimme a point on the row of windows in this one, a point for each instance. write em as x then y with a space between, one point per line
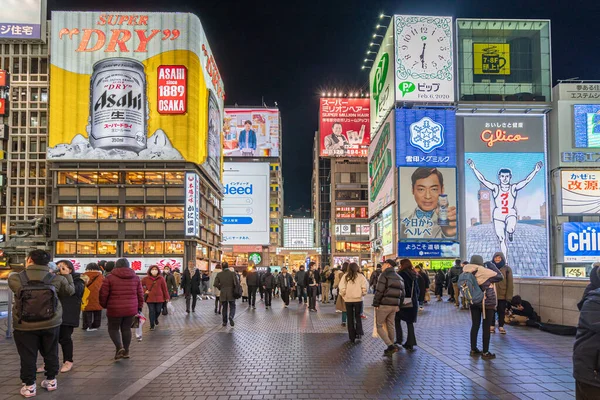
352 247
108 247
27 65
352 177
351 195
116 177
110 212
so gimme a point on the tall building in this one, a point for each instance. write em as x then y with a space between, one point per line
321 202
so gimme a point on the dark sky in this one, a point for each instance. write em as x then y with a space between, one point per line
287 51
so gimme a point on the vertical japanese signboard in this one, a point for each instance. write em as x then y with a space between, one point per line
172 89
381 167
344 127
192 204
381 80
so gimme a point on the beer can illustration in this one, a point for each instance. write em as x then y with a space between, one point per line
118 105
443 210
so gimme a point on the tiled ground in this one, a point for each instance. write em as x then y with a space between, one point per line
291 354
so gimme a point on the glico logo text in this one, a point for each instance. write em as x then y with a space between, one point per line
238 188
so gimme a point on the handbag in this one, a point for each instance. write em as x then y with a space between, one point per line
408 303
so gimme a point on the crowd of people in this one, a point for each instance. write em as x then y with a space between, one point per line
49 300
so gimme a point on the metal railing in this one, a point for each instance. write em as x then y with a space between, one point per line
6 299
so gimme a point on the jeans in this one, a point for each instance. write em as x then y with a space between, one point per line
385 322
325 292
501 312
252 295
411 340
66 343
29 343
190 298
476 316
312 300
119 330
285 295
218 304
204 288
302 294
583 391
268 297
91 319
154 311
354 320
228 306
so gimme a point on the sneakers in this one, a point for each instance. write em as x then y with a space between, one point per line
91 329
151 328
502 330
29 391
488 356
231 322
66 366
475 352
390 350
337 311
125 354
119 354
50 384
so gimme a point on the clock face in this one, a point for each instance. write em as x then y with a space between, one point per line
424 48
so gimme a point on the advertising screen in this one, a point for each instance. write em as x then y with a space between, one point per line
505 190
23 19
251 132
580 192
246 203
381 80
351 212
581 241
298 232
413 248
425 137
381 167
344 127
424 59
133 86
139 265
491 58
428 209
387 237
586 130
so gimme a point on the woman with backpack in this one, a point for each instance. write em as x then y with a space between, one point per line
92 311
155 293
410 308
353 288
476 284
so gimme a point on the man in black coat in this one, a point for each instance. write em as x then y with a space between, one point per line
225 282
253 282
285 283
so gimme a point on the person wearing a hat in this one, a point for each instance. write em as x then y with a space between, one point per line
389 294
486 278
586 352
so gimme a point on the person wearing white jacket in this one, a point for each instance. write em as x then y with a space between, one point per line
353 287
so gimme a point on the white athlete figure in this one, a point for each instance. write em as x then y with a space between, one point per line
505 196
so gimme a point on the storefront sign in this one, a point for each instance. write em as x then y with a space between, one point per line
3 78
428 249
381 163
381 80
2 106
425 137
581 241
139 265
22 19
580 192
424 59
579 91
256 258
192 204
344 127
491 58
351 212
172 89
575 272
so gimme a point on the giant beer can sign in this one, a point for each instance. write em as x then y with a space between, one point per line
132 86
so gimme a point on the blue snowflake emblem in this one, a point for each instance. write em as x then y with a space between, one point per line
426 135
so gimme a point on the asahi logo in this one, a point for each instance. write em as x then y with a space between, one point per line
128 100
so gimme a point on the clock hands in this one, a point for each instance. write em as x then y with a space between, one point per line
422 56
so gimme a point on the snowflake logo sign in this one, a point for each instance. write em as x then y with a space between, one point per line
426 135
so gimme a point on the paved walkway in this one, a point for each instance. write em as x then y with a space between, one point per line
292 354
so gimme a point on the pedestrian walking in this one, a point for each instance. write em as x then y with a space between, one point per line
423 283
155 294
253 282
191 287
268 283
586 352
244 282
340 305
71 311
122 296
285 284
410 307
375 277
389 293
312 280
504 291
439 280
353 288
37 317
92 312
225 282
204 284
216 292
108 267
177 275
300 279
484 301
170 280
455 272
326 284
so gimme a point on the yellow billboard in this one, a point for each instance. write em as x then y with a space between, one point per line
491 58
134 86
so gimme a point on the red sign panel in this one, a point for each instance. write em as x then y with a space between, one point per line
351 212
2 106
3 78
344 127
172 89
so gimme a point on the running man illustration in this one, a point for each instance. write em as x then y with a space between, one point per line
505 197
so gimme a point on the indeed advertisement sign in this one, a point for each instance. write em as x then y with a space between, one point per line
246 204
581 241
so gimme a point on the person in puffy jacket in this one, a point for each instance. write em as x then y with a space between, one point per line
504 290
353 288
71 310
268 283
155 293
486 277
122 296
408 314
92 312
389 294
586 351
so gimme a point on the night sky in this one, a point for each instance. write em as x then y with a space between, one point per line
289 51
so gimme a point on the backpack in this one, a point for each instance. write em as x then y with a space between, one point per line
36 300
469 288
237 287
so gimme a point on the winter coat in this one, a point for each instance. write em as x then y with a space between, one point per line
454 273
252 278
171 283
336 278
211 284
186 282
64 288
423 283
156 289
504 288
412 290
225 281
353 291
268 281
375 277
121 293
72 304
177 276
389 290
95 279
487 286
244 283
440 278
281 279
312 278
301 278
586 351
196 279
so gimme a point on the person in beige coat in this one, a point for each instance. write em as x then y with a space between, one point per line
325 284
340 306
353 287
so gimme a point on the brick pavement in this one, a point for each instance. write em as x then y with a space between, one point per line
292 354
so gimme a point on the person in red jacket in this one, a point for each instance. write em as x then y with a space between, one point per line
155 293
122 296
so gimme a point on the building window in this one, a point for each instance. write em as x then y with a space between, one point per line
86 212
107 178
87 178
108 212
135 178
173 212
107 248
155 178
155 213
174 178
174 247
66 212
133 248
86 248
66 247
134 212
153 247
351 195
